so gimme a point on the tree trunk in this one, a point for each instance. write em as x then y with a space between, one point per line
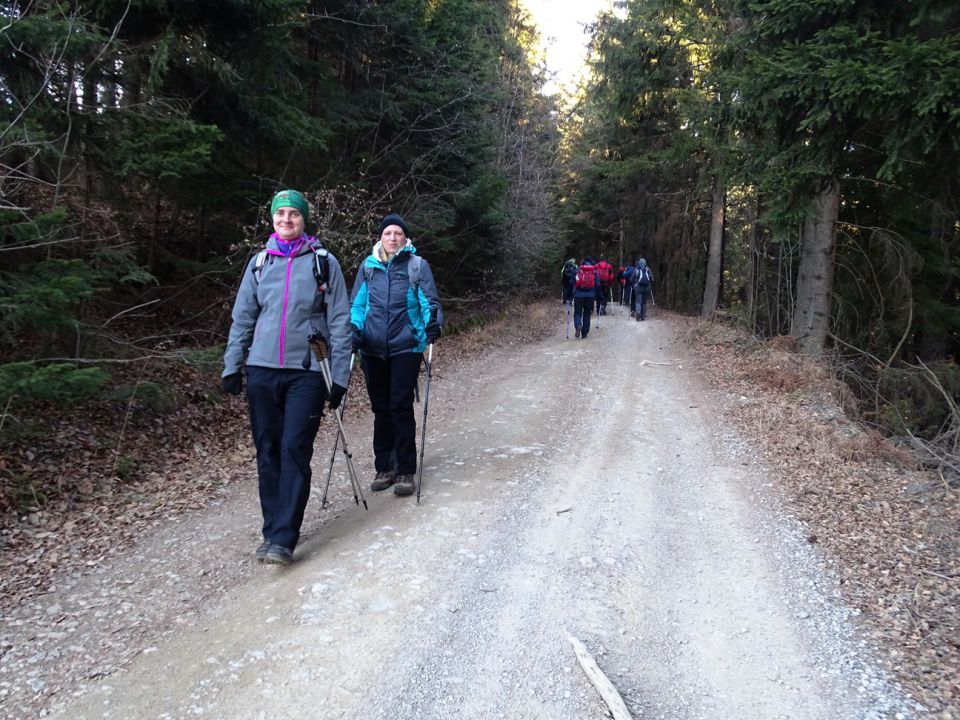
620 254
811 315
711 291
753 265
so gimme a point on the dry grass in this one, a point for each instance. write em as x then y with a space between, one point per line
892 531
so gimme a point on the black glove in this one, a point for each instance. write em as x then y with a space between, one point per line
356 339
336 395
232 384
433 329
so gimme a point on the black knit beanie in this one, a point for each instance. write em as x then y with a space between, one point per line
393 219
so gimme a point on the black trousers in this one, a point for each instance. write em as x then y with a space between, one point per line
285 411
643 295
390 385
582 309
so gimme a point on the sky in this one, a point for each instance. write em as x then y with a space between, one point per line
561 30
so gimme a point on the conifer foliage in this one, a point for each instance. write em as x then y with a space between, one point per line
811 148
141 141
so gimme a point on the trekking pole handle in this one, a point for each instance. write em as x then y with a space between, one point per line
319 345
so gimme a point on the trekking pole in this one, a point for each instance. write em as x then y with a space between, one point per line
319 346
336 441
423 428
568 319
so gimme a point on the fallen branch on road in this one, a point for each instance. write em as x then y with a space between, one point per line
618 708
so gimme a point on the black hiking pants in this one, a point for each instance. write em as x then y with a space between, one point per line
604 299
582 309
643 295
390 385
285 411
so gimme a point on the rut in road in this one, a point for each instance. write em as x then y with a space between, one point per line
569 487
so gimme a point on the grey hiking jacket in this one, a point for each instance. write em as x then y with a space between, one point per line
273 317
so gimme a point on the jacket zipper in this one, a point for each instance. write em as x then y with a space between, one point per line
283 317
386 339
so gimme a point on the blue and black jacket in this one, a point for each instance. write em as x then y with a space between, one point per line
390 310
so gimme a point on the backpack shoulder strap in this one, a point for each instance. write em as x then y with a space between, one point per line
321 266
258 264
413 271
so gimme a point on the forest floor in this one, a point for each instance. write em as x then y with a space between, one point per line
691 504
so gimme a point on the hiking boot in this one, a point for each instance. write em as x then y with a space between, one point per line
278 555
578 332
405 485
382 481
262 550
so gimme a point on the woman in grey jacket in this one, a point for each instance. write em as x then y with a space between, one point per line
291 291
395 314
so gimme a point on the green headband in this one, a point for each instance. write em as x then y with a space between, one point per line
290 198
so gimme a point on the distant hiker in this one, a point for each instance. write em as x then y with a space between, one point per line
628 286
395 314
291 290
568 278
605 273
643 279
585 294
621 281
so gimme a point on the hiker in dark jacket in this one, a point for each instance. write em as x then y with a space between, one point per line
585 294
643 288
279 305
628 287
568 278
395 314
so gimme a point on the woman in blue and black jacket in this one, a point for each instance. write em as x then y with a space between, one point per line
395 314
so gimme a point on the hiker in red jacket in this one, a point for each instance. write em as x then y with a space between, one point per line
585 294
605 273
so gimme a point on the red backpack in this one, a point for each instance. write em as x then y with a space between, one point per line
586 277
606 272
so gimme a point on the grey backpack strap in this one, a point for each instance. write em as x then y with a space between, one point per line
321 267
258 264
413 271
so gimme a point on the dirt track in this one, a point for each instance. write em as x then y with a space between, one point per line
574 487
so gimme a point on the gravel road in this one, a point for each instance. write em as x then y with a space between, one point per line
583 487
